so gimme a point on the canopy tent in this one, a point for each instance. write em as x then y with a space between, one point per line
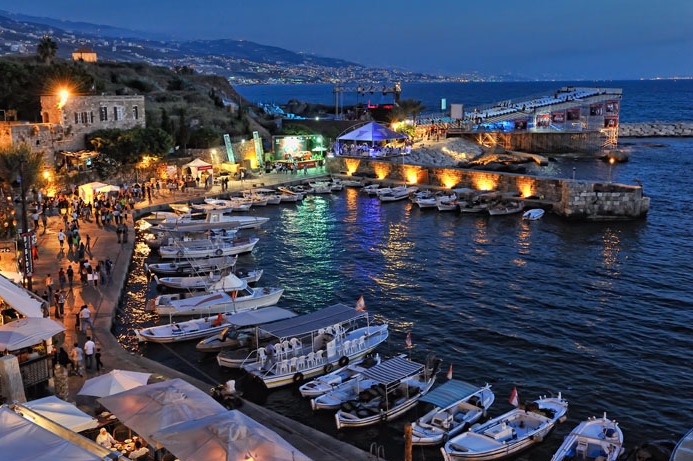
149 409
24 440
114 382
227 436
108 188
28 332
450 392
198 165
303 324
63 413
20 299
259 316
392 371
372 132
87 191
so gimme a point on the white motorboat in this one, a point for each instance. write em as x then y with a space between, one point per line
371 189
533 214
194 266
594 439
397 384
351 182
208 248
310 345
208 326
287 195
508 434
683 449
321 187
447 203
326 383
230 294
171 240
233 203
456 406
212 220
201 282
159 216
260 195
242 330
396 194
424 199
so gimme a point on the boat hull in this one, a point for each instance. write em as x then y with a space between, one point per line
239 305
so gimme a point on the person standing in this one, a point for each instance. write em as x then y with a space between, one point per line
56 298
85 319
61 239
125 233
77 357
70 276
88 246
61 303
44 220
89 349
62 278
49 286
97 357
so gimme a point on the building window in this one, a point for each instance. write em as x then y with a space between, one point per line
103 114
76 117
135 112
83 118
91 117
118 113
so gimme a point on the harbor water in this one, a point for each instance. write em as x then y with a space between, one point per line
598 311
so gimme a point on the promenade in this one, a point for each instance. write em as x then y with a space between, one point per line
104 299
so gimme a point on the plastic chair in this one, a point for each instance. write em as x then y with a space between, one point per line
301 363
362 342
310 359
293 364
346 346
261 355
283 367
319 356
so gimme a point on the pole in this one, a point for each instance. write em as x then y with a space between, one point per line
407 443
25 222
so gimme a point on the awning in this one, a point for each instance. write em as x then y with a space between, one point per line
314 321
372 132
392 371
63 413
27 332
450 392
260 316
20 299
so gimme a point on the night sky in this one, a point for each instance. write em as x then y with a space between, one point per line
545 39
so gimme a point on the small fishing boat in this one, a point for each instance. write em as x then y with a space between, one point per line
456 406
533 214
372 189
170 240
287 195
193 266
505 208
351 182
321 187
208 248
508 434
447 203
211 220
326 383
259 195
233 204
396 194
595 439
397 384
201 282
242 329
424 199
684 448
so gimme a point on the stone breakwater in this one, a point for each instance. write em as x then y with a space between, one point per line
655 129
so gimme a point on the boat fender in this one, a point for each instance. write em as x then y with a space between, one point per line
298 377
537 438
218 252
343 361
180 253
328 368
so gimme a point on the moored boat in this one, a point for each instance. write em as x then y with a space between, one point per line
193 266
507 434
533 214
396 194
201 282
683 451
505 208
456 406
327 382
594 439
212 220
207 248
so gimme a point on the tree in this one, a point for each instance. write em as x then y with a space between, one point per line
406 108
46 49
183 136
129 146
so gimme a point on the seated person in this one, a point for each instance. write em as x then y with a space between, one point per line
139 451
105 439
218 321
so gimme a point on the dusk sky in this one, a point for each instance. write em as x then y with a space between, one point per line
607 39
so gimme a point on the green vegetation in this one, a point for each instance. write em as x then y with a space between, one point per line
46 49
19 163
129 146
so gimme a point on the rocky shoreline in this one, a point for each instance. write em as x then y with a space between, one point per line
655 129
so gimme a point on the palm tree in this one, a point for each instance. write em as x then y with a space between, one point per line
406 108
46 49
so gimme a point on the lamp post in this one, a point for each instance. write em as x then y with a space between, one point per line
611 163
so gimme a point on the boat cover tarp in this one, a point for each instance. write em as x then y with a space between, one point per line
20 299
201 302
372 132
260 316
450 392
393 370
314 321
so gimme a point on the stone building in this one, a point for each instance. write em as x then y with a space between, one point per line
41 137
84 54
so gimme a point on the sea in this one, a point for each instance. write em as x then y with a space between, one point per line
600 312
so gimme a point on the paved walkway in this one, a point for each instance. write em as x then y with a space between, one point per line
104 299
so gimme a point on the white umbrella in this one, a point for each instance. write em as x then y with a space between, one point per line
226 436
28 332
63 413
114 382
148 409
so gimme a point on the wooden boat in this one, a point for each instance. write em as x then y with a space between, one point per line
397 384
171 240
193 266
508 434
208 248
212 220
371 189
594 439
201 282
231 294
396 194
505 208
351 183
208 326
320 187
310 345
533 214
242 328
258 195
456 406
683 450
287 195
326 383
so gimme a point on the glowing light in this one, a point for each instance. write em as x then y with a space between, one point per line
412 174
526 187
485 183
352 164
46 175
449 180
381 170
64 94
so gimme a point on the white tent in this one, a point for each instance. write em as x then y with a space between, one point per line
20 299
197 165
24 440
114 382
227 436
87 191
63 413
28 332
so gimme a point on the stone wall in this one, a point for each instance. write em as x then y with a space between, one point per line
655 129
40 137
602 202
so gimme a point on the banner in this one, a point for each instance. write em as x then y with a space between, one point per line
612 107
457 111
596 109
611 122
258 149
229 149
521 124
28 260
573 115
557 117
543 121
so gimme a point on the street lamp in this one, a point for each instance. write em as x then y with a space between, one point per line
611 163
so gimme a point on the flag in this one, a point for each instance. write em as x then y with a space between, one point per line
234 293
449 375
514 399
360 305
407 342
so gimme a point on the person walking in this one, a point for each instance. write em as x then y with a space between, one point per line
61 239
89 349
70 276
85 319
56 299
49 286
62 278
77 357
44 221
97 357
61 303
88 246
